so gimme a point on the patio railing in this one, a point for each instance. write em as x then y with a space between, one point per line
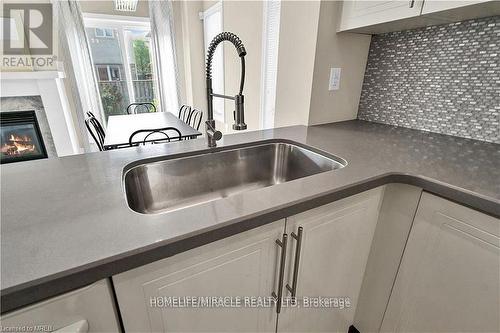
143 90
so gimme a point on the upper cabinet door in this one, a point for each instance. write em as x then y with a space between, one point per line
336 240
356 14
239 266
433 6
449 278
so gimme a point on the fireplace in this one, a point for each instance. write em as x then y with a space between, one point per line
20 137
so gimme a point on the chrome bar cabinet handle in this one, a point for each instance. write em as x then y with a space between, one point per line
298 238
278 297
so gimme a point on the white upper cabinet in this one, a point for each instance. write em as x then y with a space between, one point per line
356 14
433 6
373 17
449 279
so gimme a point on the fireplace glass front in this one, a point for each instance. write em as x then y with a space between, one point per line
20 137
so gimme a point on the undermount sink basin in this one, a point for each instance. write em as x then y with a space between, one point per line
170 184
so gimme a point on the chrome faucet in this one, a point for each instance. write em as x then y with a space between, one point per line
239 114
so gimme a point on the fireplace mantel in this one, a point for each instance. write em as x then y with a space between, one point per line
49 86
38 75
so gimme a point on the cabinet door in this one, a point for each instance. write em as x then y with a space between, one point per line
244 265
89 309
336 241
433 6
356 13
450 272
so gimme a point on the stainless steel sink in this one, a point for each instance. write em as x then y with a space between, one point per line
170 184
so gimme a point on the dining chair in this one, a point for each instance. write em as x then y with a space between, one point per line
194 119
95 129
184 113
161 133
144 107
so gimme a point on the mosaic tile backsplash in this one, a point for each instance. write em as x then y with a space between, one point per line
443 79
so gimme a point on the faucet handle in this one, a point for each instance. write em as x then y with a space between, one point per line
212 133
217 135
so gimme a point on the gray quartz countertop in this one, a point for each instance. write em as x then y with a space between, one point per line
65 222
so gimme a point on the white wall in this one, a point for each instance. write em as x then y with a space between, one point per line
179 49
193 51
347 51
308 47
244 18
297 46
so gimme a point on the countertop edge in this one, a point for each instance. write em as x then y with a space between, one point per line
34 291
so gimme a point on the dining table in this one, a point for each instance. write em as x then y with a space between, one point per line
120 127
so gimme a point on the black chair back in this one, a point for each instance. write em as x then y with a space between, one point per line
184 113
160 132
98 125
145 107
195 119
95 129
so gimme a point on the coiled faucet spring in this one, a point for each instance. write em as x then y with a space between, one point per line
240 48
239 115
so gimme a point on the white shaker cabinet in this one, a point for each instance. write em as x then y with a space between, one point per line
449 278
375 17
335 246
433 6
242 265
358 13
89 309
334 249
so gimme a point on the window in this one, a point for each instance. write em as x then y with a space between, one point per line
115 73
108 73
122 60
102 73
103 32
272 12
212 26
